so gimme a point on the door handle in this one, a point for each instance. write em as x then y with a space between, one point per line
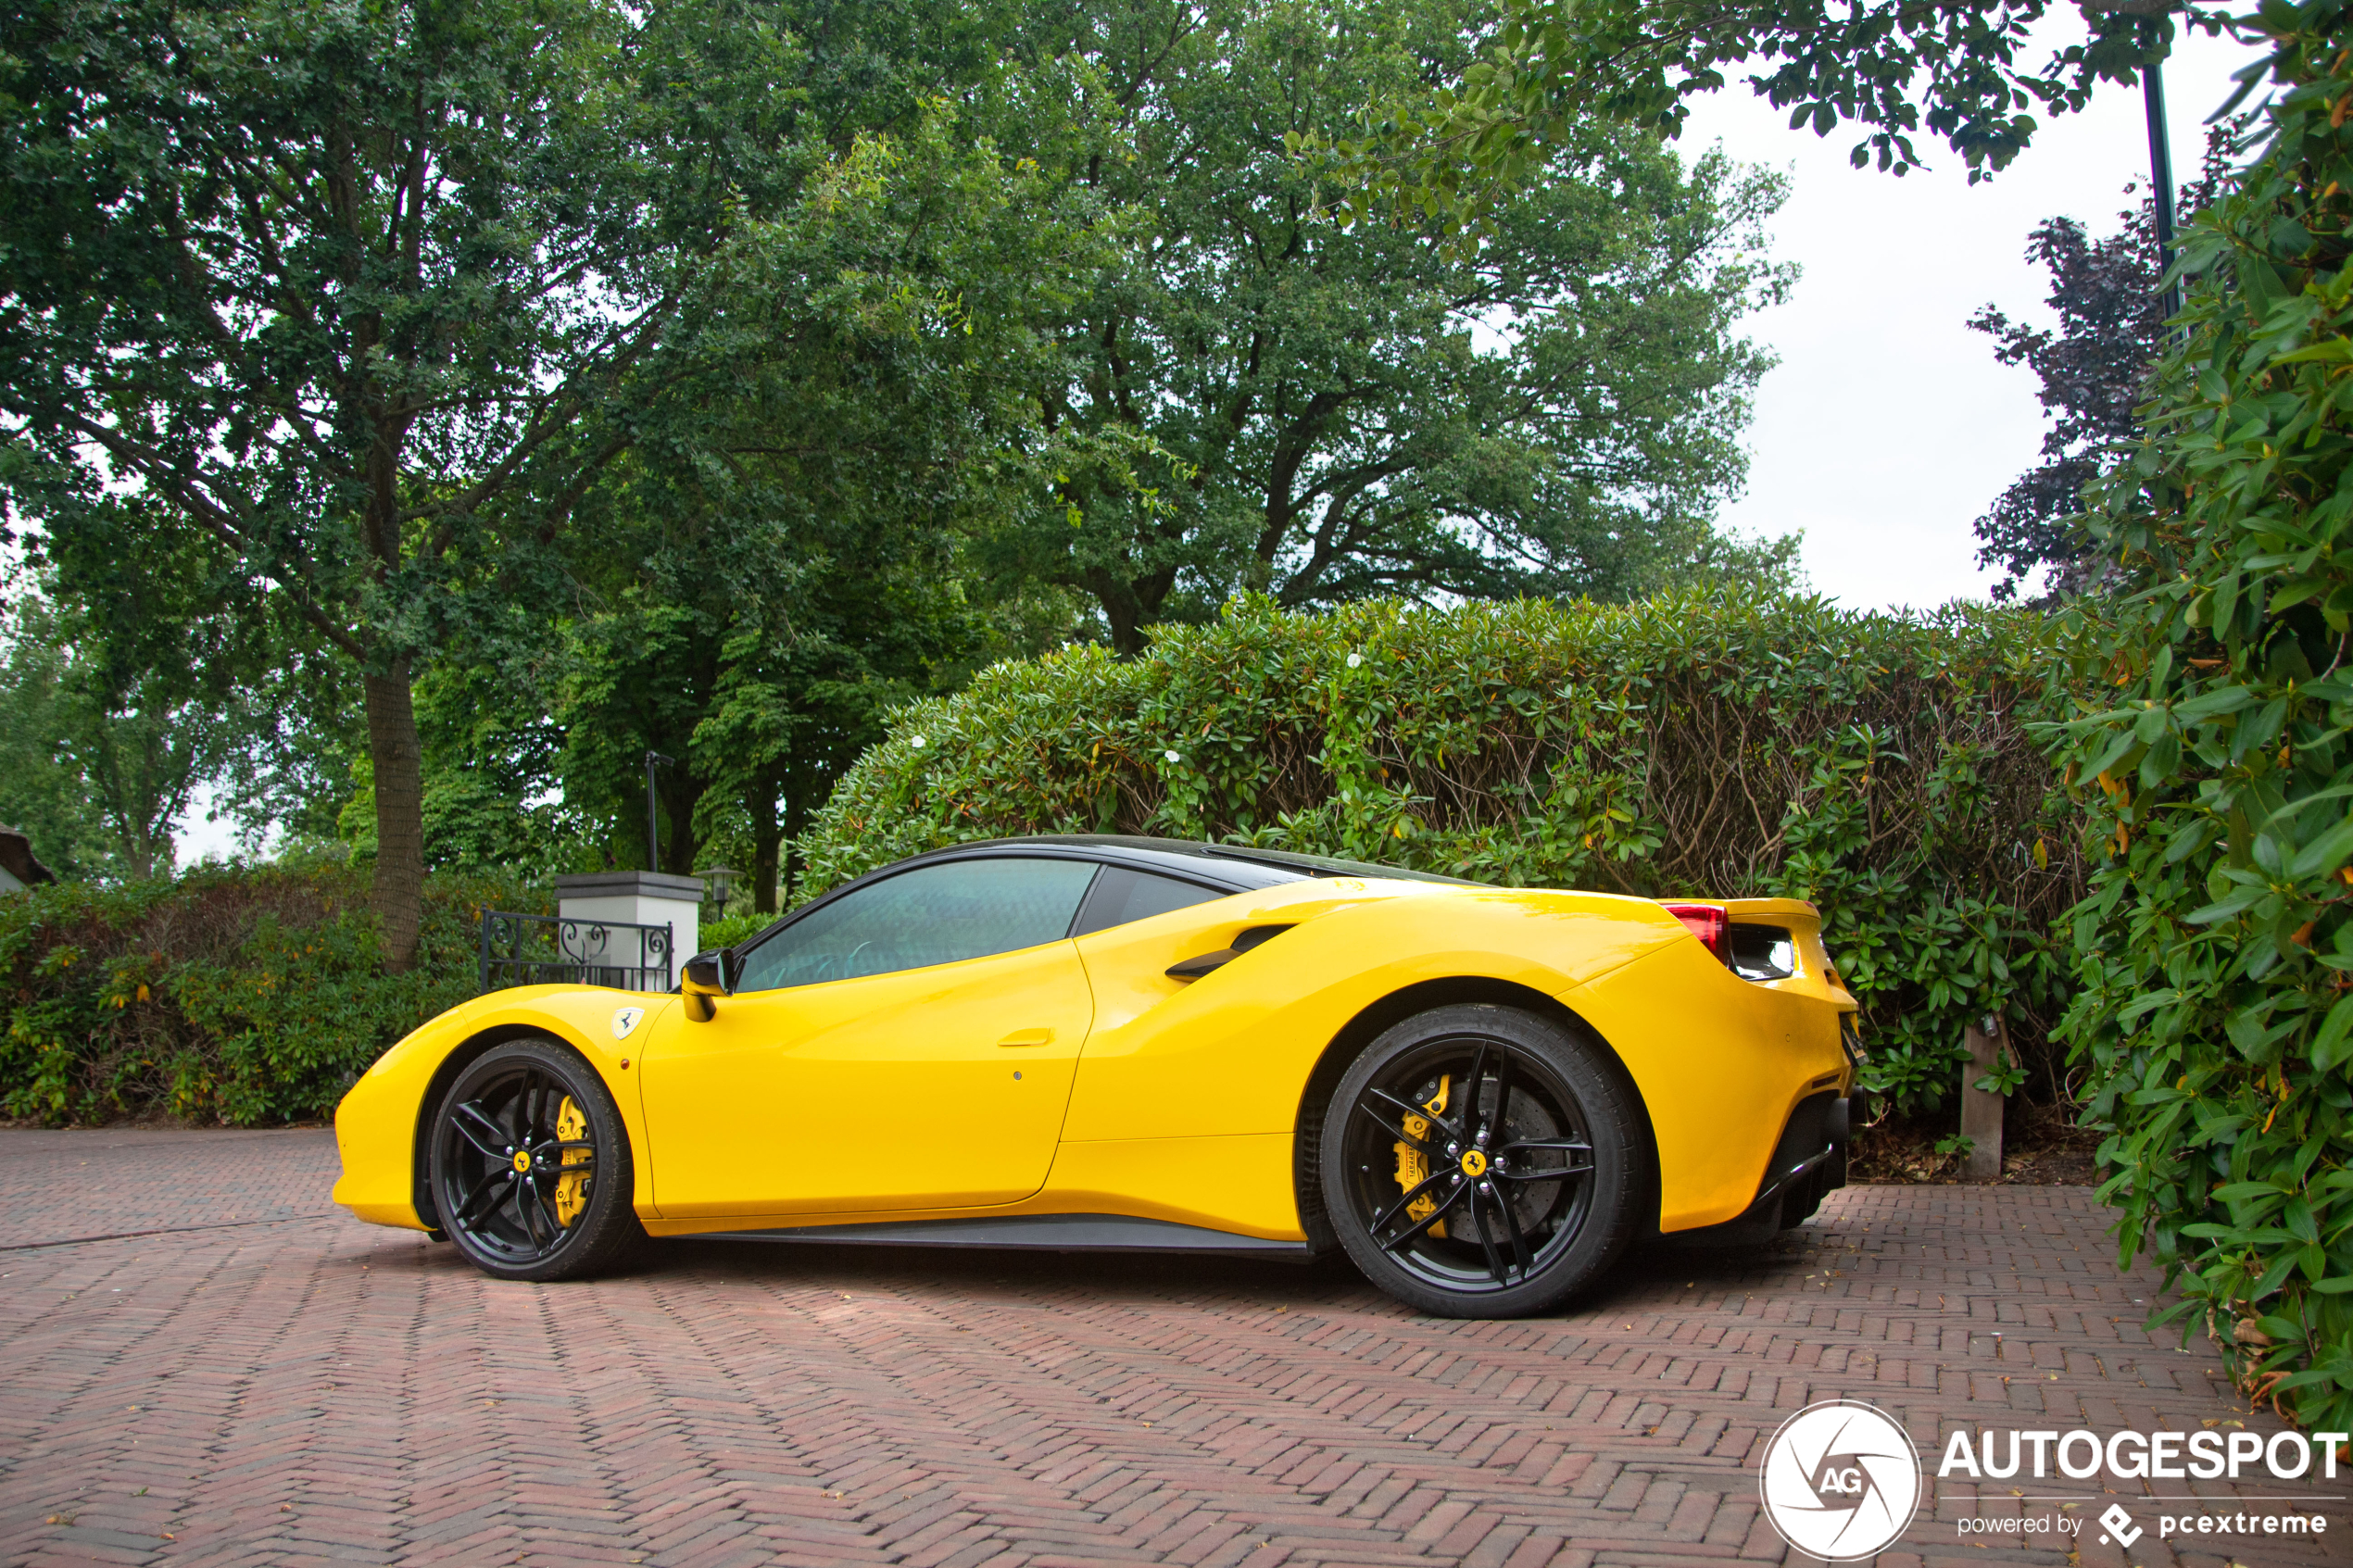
1028 1038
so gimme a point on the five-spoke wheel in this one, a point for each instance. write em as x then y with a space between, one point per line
531 1171
1481 1161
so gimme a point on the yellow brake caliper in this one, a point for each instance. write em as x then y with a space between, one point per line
571 1188
1411 1170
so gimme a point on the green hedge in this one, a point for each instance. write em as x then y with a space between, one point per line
1694 744
2216 949
233 994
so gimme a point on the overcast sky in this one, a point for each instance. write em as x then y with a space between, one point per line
1888 428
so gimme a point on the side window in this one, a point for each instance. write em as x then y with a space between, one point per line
1120 895
932 915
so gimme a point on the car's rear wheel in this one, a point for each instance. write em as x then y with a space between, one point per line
531 1166
1482 1161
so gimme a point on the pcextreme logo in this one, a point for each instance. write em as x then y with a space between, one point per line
1840 1480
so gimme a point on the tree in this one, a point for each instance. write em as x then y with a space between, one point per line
340 287
2095 370
746 595
117 702
1258 400
756 597
41 792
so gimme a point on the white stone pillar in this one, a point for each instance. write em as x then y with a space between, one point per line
638 899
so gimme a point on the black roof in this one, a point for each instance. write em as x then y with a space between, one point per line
1228 868
1236 867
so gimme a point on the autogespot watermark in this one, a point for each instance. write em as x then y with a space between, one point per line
1841 1480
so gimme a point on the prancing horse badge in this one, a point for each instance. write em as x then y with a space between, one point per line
624 1020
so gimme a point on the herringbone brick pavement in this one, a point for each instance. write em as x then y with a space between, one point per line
291 1387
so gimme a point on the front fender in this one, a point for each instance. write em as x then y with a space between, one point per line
377 1124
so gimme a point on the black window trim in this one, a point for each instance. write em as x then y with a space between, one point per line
1204 883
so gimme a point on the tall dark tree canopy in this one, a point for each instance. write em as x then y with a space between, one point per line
2095 370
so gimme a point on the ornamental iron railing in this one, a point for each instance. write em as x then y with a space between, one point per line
566 950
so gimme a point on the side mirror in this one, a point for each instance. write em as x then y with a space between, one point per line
705 982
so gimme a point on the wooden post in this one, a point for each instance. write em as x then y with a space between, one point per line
1982 1108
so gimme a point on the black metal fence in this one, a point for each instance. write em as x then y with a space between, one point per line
553 950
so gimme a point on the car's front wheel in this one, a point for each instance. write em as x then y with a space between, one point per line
531 1167
1482 1161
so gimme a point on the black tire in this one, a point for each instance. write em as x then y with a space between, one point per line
531 1167
1458 1219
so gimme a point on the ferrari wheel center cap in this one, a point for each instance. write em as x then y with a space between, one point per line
1474 1163
522 1160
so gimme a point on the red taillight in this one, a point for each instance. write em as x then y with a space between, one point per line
1709 925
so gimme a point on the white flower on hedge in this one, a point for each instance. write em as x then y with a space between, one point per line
1172 756
1354 659
915 741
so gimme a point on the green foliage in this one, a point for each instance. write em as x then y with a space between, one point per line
232 995
1255 399
343 307
1550 68
2215 945
126 679
1696 744
42 791
579 379
731 929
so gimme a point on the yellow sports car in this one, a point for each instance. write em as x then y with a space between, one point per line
1482 1094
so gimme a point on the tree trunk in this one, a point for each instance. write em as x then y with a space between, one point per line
766 833
796 823
1129 604
682 793
400 820
1122 613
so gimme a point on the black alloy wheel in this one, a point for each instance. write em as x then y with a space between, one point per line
531 1167
1481 1161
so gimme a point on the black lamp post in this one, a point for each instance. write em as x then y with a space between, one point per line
2161 176
2161 147
653 828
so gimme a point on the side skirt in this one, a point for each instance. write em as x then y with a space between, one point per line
1048 1232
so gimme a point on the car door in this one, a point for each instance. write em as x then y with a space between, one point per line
908 1045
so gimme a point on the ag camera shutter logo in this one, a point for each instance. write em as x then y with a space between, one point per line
1840 1480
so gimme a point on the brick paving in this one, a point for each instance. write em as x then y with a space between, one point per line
243 1375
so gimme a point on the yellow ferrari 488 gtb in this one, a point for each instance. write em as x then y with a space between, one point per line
1482 1094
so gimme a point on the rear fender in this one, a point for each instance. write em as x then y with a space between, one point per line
1721 1061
